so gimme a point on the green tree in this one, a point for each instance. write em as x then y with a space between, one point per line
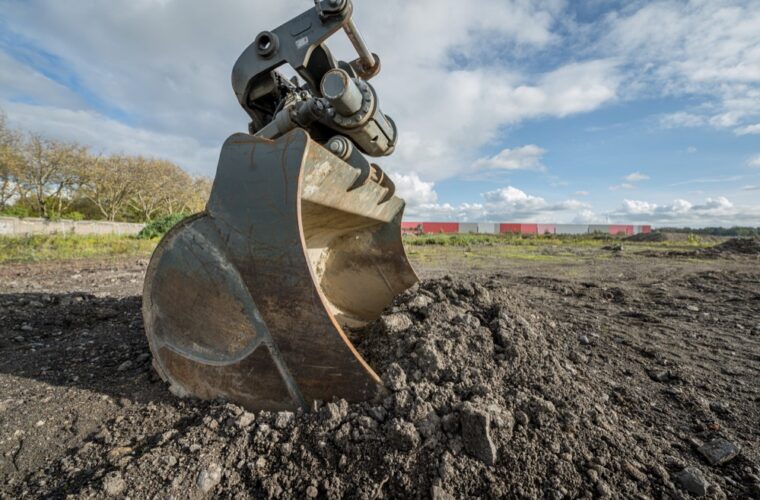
49 173
9 162
109 182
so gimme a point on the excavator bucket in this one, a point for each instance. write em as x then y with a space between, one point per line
248 300
300 238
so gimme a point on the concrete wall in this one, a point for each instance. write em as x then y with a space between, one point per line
571 229
488 228
599 228
12 226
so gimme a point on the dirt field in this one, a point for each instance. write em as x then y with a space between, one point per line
576 372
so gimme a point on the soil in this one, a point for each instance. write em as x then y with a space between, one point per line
632 376
658 236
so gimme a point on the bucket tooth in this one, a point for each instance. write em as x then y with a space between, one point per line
248 300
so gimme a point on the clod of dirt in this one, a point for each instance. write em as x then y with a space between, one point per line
476 434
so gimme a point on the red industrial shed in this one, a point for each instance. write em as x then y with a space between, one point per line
546 228
440 227
411 227
621 229
509 228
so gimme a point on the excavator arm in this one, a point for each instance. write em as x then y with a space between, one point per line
300 239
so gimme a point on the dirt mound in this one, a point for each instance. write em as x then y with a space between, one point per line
654 236
487 397
660 236
744 246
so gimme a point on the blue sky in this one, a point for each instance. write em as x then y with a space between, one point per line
509 110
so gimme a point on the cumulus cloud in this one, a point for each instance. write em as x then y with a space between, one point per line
107 135
415 191
503 204
717 210
522 158
693 48
630 181
636 176
749 129
147 62
682 119
138 78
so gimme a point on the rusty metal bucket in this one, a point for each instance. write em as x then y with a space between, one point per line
247 300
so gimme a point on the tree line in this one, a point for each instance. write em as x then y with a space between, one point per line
44 177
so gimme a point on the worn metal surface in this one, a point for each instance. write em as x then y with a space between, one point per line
247 300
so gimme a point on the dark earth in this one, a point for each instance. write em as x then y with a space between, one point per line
622 375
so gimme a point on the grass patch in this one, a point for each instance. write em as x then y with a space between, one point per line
465 240
64 247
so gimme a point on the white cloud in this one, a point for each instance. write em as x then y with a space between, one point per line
700 48
415 191
523 158
749 129
588 216
508 203
630 180
636 176
514 197
682 119
147 83
754 161
110 136
147 59
717 210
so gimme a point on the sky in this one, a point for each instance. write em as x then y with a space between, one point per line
508 110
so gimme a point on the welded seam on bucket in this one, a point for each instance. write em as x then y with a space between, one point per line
252 312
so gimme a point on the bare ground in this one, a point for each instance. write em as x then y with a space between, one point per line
668 346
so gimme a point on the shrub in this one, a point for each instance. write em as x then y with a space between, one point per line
73 216
160 227
15 211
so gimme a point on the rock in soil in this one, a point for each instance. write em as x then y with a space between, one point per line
692 480
719 451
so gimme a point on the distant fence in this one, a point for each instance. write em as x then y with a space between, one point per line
12 226
520 228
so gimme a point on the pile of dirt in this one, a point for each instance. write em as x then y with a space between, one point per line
655 236
743 246
486 398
